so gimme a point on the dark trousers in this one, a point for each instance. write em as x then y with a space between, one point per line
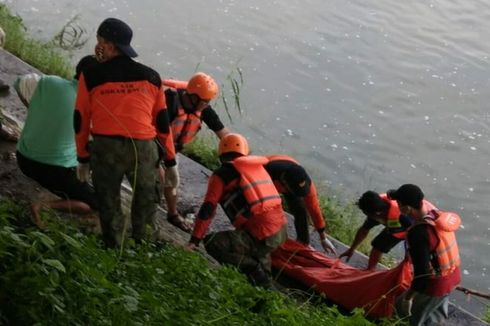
60 180
296 205
111 159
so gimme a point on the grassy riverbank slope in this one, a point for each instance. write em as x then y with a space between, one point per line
64 277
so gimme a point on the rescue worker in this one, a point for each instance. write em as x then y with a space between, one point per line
247 194
434 253
380 209
299 191
46 151
121 103
188 107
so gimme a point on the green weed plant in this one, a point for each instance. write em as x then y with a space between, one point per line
46 56
64 277
342 221
235 80
203 149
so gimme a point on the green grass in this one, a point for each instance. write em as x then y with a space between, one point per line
45 56
65 277
486 317
342 221
203 149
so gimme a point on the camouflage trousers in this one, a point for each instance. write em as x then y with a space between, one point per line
242 250
112 159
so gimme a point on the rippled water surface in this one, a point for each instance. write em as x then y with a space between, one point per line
367 94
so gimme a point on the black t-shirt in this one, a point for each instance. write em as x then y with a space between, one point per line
385 240
420 239
369 223
277 167
208 115
405 222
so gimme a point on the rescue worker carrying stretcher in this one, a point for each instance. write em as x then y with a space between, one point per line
434 253
249 198
380 209
299 191
187 106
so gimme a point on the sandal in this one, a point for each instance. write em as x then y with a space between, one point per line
180 222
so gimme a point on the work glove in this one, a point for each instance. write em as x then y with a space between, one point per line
172 178
348 253
83 172
328 246
406 307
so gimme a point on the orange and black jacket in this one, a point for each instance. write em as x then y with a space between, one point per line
122 98
275 167
186 124
263 215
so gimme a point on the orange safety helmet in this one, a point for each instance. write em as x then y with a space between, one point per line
203 86
233 143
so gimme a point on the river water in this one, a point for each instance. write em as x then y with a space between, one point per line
367 94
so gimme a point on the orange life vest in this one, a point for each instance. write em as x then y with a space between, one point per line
445 258
177 84
256 193
186 125
393 217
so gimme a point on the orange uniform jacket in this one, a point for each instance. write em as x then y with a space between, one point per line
121 98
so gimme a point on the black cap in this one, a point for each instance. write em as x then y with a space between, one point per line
408 194
119 33
297 180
